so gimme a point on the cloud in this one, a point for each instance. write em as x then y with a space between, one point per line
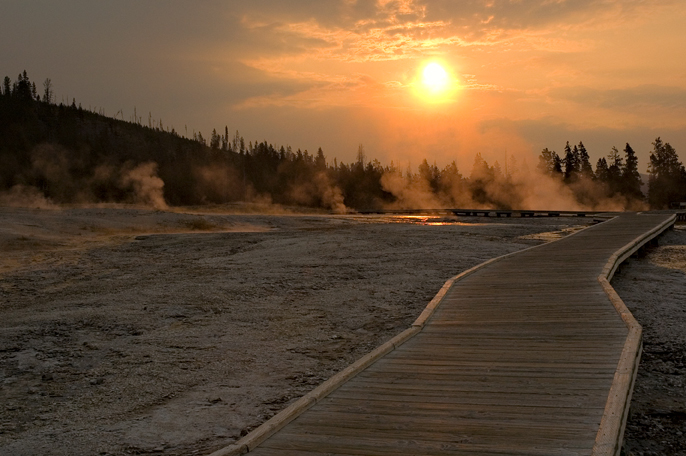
642 96
356 31
325 48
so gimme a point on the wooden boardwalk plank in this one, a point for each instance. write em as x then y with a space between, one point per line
518 359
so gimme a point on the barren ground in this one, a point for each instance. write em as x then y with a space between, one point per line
128 331
654 288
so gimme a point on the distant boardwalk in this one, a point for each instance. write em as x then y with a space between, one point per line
518 358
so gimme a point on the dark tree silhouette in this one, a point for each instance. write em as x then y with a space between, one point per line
48 92
571 163
585 168
614 171
667 181
601 171
70 154
549 163
7 87
631 178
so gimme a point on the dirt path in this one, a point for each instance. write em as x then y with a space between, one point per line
113 342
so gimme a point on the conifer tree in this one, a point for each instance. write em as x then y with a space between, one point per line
214 139
614 171
601 171
549 163
571 164
7 87
585 168
631 178
320 160
667 181
48 93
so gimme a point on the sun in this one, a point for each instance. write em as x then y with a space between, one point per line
435 78
435 83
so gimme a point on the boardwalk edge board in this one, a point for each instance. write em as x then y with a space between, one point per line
281 419
610 435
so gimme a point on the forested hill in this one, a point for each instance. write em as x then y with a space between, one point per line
67 154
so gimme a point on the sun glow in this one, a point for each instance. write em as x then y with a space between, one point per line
434 77
435 83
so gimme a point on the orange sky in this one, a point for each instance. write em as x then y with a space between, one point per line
525 74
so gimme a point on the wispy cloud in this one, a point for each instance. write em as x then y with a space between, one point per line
314 46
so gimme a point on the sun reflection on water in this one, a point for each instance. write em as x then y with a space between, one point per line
425 220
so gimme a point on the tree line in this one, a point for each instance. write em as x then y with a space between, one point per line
618 174
68 154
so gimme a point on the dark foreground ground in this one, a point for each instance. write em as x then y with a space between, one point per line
129 331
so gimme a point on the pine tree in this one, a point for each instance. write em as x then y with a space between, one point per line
549 163
22 88
7 86
585 168
601 171
614 171
557 165
667 181
320 160
214 139
571 164
48 93
631 178
497 171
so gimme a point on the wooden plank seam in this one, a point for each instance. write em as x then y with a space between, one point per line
281 419
610 434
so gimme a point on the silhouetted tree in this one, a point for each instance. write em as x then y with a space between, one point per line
479 178
214 140
571 162
631 178
22 88
48 93
585 168
7 87
614 171
601 171
320 160
40 140
667 181
549 163
430 174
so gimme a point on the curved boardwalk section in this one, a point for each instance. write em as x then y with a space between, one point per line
518 358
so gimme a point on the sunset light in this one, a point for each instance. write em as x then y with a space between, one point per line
435 78
210 208
435 83
408 79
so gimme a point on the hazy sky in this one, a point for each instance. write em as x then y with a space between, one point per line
522 74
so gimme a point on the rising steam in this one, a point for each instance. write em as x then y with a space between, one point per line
146 185
489 188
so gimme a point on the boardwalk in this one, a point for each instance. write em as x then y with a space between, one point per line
518 358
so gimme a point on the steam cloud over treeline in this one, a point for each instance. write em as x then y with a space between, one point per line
54 153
